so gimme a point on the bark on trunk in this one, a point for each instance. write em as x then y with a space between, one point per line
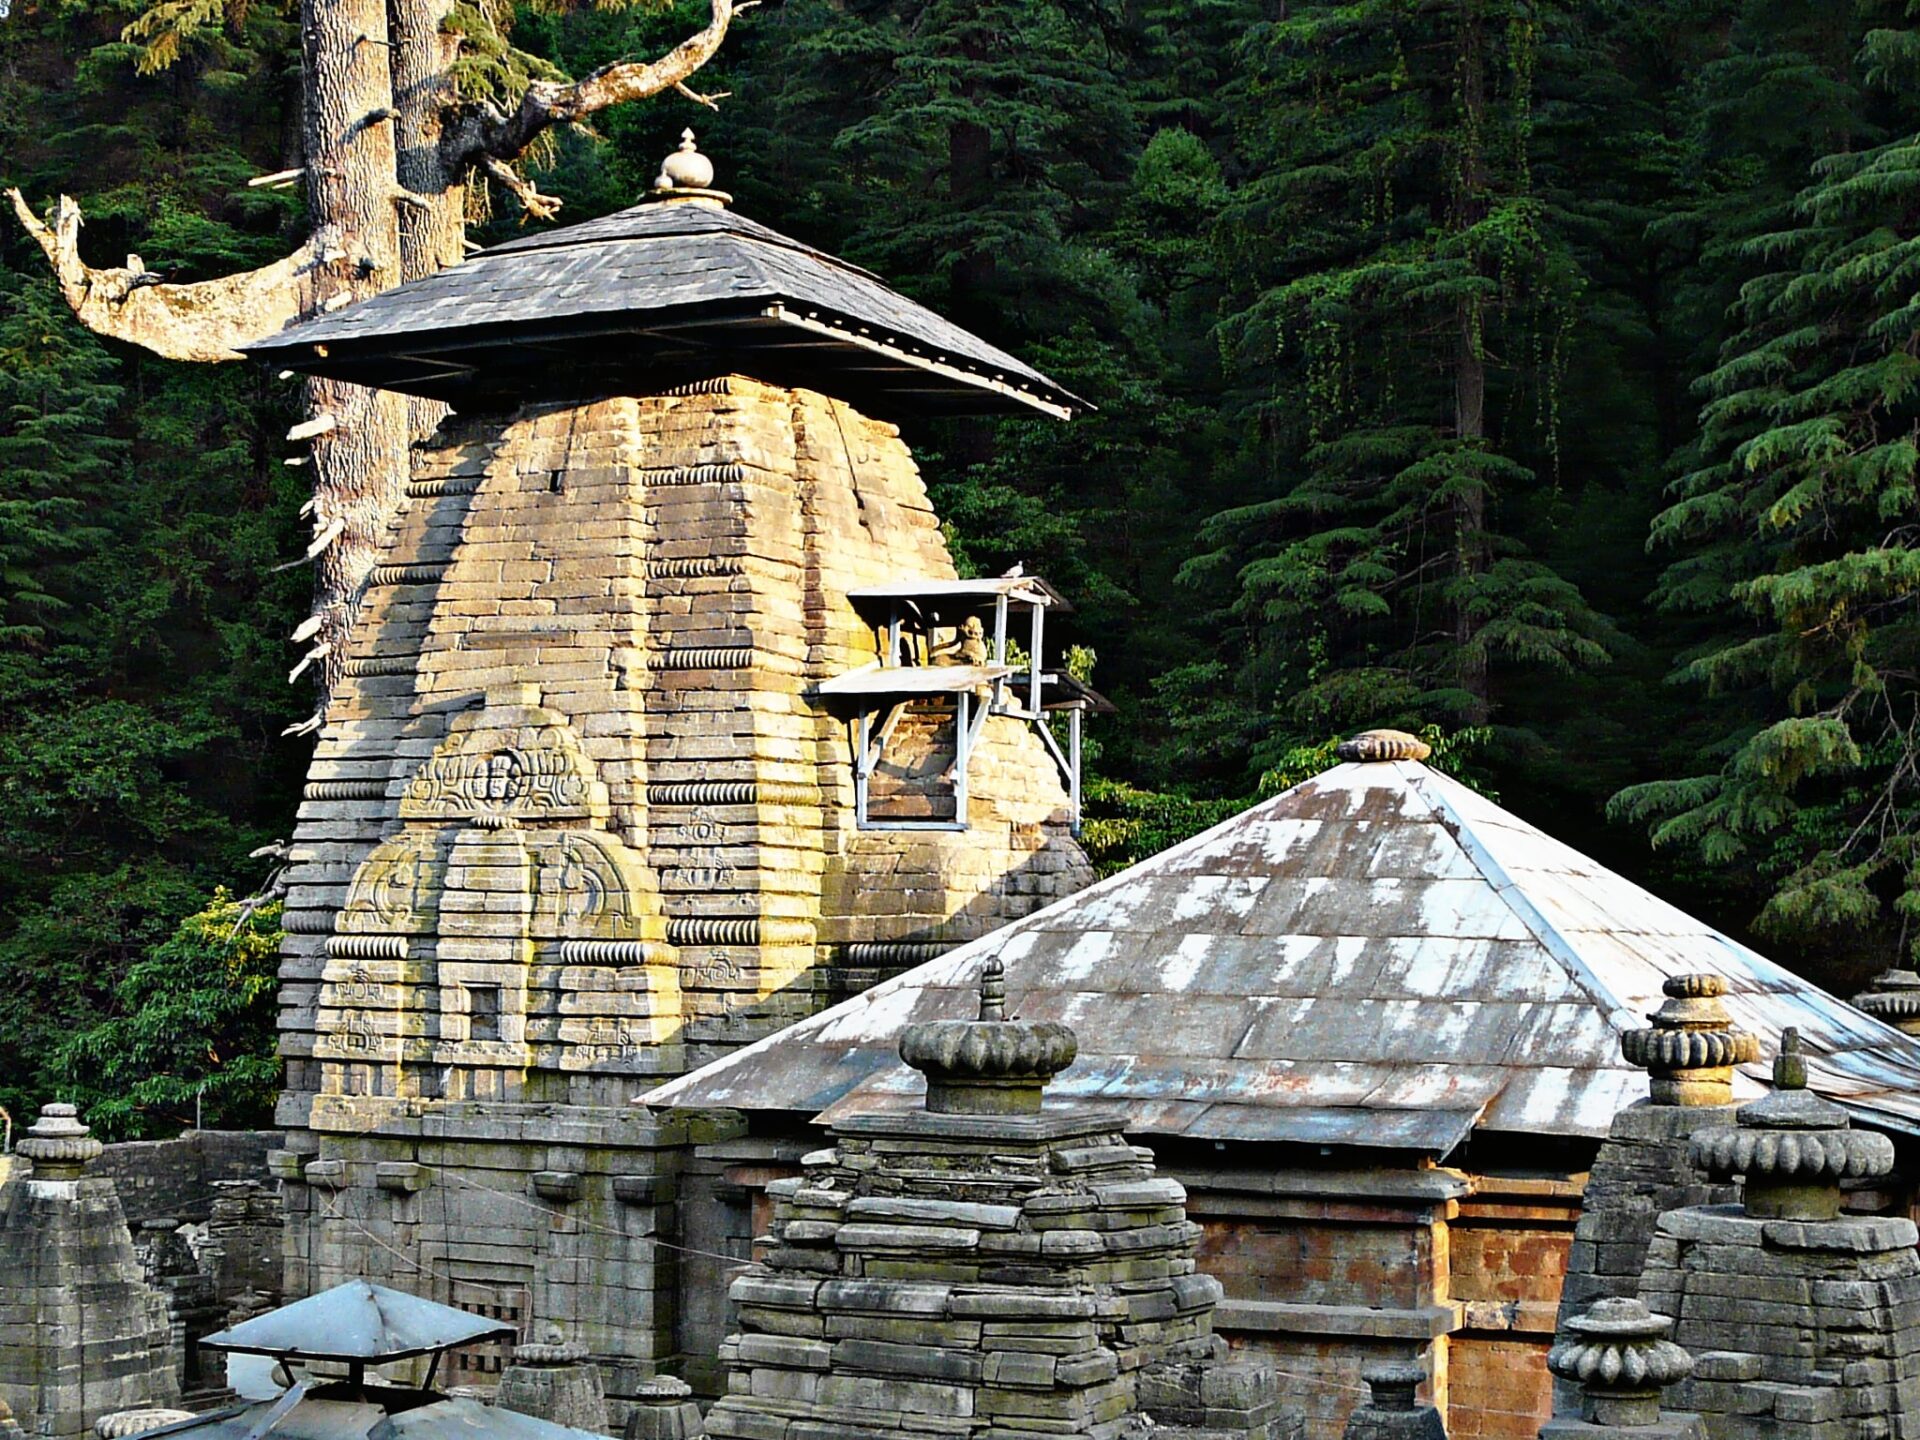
360 461
433 232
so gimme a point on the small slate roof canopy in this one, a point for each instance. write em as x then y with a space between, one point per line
1378 957
674 290
357 1321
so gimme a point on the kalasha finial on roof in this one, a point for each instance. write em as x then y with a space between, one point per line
1620 1357
1792 1147
59 1146
1693 1046
1894 997
1373 745
686 174
992 1065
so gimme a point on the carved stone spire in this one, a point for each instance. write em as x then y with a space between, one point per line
1893 996
1792 1147
989 1066
1621 1358
1693 1046
59 1146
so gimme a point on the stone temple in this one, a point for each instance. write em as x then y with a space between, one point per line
680 809
666 721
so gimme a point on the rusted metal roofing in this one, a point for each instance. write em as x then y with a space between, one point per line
1376 957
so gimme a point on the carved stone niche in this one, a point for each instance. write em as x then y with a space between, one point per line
505 927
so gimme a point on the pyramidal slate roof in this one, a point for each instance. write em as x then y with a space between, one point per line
1376 957
673 290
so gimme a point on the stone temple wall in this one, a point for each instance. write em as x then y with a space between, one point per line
180 1178
576 822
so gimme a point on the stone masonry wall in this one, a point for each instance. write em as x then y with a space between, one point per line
179 1178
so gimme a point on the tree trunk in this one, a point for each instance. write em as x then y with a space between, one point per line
359 460
1470 366
432 233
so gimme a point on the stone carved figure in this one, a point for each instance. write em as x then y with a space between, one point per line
505 825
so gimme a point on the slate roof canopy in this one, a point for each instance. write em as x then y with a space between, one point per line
673 290
1377 957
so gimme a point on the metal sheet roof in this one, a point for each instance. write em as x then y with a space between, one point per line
357 1321
1376 957
654 296
336 1412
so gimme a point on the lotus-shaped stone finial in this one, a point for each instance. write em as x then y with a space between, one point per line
1620 1357
992 1065
552 1348
1893 996
1792 1147
59 1146
1692 1047
1374 746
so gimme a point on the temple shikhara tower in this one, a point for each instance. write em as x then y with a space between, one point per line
666 720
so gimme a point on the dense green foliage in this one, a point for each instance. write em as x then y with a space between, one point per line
189 1037
1540 372
142 506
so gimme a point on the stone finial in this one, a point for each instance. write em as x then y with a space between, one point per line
993 990
1893 996
122 1423
1693 1046
552 1348
686 174
1393 1384
1373 745
1792 1147
1621 1358
664 1409
992 1065
1391 1411
59 1146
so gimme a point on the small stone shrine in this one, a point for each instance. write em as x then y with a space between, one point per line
1645 1166
1620 1360
665 720
1803 1324
552 1379
982 1267
81 1335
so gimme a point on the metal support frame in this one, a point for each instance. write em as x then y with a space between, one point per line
970 718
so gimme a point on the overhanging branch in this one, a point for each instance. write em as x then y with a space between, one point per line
486 133
206 320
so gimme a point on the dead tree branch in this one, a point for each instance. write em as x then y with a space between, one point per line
484 131
541 207
207 320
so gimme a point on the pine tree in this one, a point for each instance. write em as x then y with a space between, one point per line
1398 321
1796 531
